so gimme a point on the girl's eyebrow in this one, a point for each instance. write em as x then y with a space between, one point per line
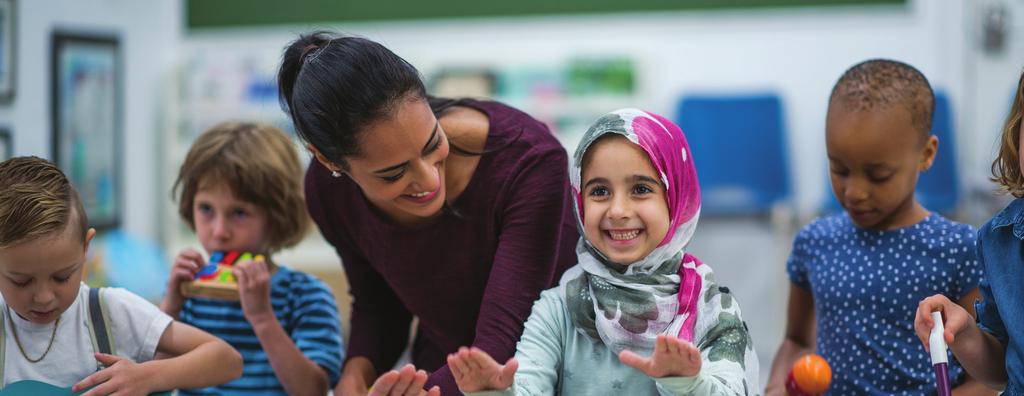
634 178
645 178
595 180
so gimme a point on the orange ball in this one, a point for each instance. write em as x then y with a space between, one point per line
812 374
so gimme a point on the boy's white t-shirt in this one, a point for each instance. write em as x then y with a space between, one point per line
136 326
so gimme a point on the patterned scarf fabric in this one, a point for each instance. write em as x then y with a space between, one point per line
627 307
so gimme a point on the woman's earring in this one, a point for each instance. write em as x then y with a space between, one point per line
335 174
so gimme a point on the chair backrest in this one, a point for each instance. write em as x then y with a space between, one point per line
739 146
938 188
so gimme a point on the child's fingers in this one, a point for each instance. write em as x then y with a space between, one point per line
922 325
383 384
260 266
662 344
481 358
241 276
687 349
675 345
694 353
107 360
181 274
435 391
405 378
418 380
191 254
101 390
458 365
188 265
467 359
923 322
509 371
96 378
476 363
633 360
190 258
956 318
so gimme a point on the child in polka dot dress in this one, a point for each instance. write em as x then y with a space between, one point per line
858 276
991 349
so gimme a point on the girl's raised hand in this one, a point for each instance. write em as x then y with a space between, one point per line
474 370
672 357
405 382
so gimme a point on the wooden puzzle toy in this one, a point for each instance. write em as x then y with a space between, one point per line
215 280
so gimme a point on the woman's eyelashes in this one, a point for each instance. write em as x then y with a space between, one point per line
393 178
398 175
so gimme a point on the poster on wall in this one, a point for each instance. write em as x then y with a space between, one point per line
86 101
7 50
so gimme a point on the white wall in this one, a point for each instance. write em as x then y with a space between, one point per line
798 53
150 33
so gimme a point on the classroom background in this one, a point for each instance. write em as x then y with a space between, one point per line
115 91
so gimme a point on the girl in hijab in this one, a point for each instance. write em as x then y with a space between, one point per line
637 314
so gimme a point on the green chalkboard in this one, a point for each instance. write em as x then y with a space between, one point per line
233 13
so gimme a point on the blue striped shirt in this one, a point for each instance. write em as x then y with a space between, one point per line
305 308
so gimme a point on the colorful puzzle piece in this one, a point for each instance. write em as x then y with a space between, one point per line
215 280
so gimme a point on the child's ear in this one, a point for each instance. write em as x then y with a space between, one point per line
323 160
89 234
931 147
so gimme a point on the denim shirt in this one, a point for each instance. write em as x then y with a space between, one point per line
1001 252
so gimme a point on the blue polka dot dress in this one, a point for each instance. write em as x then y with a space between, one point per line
866 287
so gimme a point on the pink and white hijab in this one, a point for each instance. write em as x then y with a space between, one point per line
626 307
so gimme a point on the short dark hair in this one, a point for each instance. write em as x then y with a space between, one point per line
882 83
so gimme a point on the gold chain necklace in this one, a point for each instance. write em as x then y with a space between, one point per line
14 330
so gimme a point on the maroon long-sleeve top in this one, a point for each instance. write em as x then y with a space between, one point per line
470 278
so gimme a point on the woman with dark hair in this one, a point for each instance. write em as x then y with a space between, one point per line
464 242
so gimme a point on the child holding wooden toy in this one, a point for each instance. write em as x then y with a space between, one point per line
58 335
240 191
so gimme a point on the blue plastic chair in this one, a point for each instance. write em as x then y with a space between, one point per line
739 145
938 189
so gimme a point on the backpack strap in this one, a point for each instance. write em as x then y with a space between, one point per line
99 324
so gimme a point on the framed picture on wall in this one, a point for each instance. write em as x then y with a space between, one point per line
6 145
8 54
86 111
